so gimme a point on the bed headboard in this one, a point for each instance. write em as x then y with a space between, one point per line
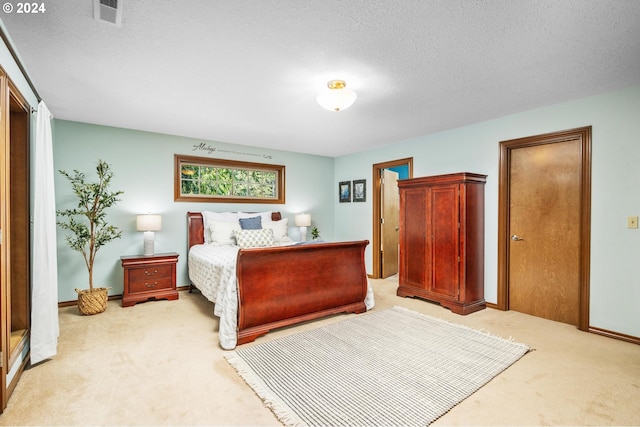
195 227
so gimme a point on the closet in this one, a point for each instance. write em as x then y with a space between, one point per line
14 238
442 240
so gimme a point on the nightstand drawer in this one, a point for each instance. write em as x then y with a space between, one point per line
150 273
150 284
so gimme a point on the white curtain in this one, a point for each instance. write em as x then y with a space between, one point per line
44 291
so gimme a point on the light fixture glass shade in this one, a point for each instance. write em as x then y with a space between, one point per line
302 220
149 222
336 97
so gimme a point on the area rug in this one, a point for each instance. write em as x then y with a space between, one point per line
391 367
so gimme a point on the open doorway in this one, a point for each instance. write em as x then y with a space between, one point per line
385 230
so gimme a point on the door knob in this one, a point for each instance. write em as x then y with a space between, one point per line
515 238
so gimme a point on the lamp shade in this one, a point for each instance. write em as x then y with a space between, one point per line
302 220
336 97
148 222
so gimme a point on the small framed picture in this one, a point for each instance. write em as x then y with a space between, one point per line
344 191
359 190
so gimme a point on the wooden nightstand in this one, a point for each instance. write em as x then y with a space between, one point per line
147 277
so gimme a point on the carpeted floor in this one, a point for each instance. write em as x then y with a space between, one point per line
159 363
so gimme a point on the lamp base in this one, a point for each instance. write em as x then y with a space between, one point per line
303 234
148 243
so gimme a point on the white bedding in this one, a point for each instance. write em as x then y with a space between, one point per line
212 269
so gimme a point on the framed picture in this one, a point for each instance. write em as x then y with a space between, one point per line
344 191
359 190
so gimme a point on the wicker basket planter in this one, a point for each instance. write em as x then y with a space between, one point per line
92 301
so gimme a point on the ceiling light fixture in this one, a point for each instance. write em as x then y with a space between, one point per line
109 11
337 97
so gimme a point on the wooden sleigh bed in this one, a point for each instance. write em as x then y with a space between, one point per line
283 285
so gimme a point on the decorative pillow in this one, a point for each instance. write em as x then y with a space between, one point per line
254 223
254 238
265 216
222 233
280 229
208 217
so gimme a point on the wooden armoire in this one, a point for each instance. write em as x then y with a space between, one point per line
442 240
15 296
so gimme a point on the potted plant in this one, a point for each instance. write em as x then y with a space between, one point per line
89 228
315 234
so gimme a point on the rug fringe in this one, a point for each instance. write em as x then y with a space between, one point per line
482 331
281 410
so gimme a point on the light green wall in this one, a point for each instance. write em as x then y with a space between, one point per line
143 166
615 250
142 163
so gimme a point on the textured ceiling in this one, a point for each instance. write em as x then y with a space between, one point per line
247 72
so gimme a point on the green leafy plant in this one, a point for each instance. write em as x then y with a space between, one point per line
88 221
315 233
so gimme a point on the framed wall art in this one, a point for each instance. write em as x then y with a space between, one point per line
359 190
344 191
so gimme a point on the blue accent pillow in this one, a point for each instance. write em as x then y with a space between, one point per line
254 223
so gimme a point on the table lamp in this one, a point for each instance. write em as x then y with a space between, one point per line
148 223
303 220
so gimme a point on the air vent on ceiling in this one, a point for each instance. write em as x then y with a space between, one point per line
108 11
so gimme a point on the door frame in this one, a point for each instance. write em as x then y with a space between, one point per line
15 248
584 135
377 207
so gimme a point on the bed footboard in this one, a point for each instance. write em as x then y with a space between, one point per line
281 286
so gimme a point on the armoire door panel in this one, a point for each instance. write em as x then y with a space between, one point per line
445 240
415 234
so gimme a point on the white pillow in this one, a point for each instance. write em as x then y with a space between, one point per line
280 229
209 217
222 233
254 238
